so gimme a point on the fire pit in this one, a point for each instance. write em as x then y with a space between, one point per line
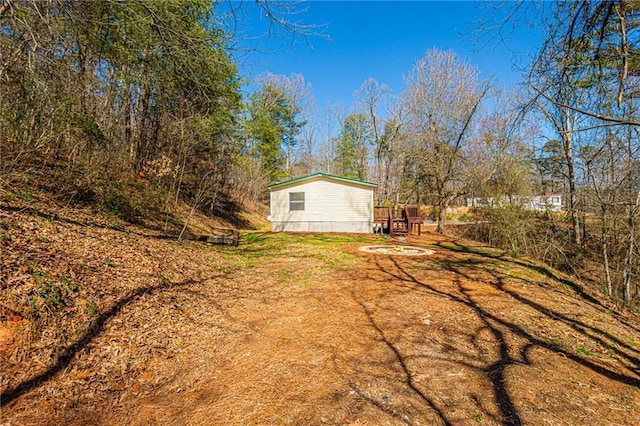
397 250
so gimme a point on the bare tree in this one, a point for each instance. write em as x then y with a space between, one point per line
443 98
334 116
565 121
282 18
306 162
587 76
393 145
585 82
371 96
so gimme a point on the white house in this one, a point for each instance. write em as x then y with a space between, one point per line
322 203
547 201
551 201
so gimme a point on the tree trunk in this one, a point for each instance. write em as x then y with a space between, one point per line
143 122
628 261
571 177
128 124
443 205
288 165
605 254
442 218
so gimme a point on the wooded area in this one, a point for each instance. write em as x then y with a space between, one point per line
150 89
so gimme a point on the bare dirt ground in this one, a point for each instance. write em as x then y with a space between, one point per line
298 329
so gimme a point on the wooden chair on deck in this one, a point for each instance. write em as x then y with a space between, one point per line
391 224
383 216
414 217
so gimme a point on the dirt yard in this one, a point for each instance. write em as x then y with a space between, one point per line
298 329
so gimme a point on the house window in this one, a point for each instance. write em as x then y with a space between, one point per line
555 200
296 201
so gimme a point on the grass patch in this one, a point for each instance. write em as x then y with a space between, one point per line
584 350
286 275
526 275
633 342
259 248
92 309
480 250
48 295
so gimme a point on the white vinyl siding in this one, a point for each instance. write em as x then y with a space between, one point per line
329 205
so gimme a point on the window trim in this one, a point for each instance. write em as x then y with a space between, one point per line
297 203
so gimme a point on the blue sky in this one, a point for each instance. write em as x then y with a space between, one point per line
376 39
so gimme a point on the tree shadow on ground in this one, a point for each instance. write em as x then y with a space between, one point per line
231 211
458 266
403 275
409 380
542 269
157 232
89 224
495 372
605 339
68 353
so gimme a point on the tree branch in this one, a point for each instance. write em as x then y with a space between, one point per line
617 121
4 7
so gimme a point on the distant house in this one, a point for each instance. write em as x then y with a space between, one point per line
551 201
322 203
547 201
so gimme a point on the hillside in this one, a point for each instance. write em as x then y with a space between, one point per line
108 322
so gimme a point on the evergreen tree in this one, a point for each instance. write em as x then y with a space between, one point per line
352 147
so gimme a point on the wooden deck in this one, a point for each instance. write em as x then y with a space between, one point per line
401 223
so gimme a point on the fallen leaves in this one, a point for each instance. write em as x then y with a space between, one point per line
292 329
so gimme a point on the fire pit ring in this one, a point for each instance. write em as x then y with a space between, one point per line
396 250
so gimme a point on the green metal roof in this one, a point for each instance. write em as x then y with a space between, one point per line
320 174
